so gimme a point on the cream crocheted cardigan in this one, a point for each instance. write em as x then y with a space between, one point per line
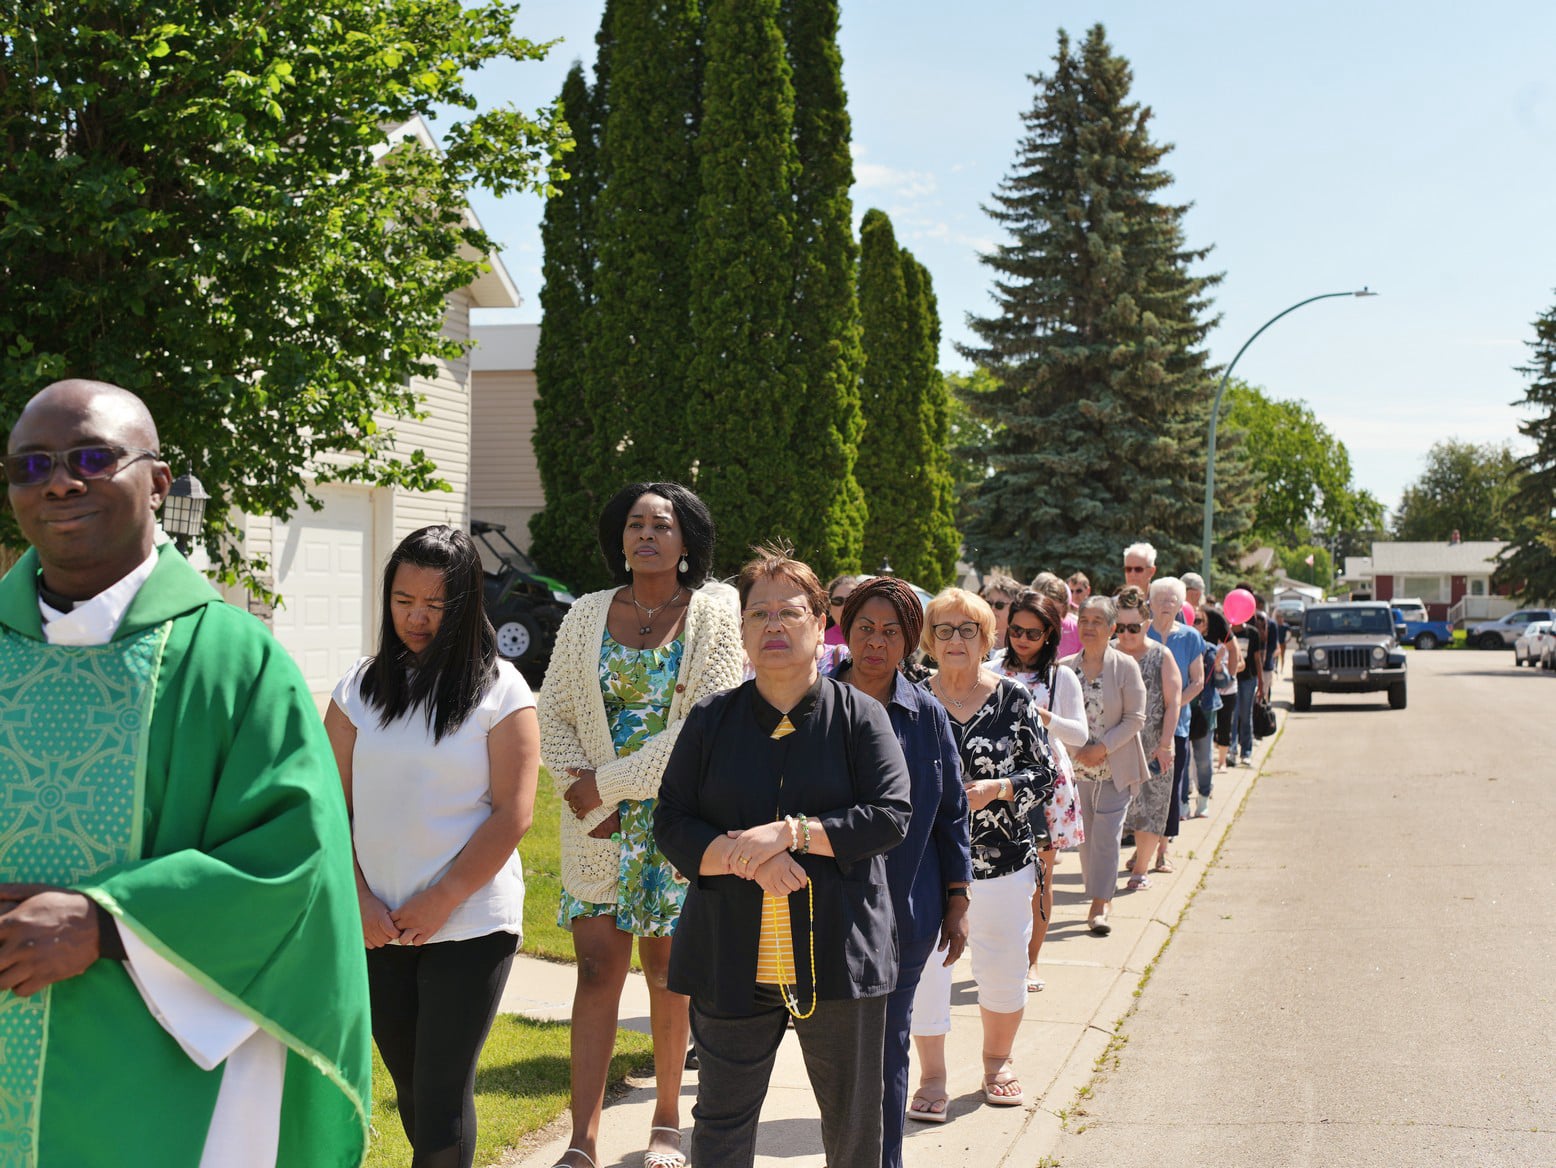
574 731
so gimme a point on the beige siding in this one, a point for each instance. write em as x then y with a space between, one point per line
444 434
502 453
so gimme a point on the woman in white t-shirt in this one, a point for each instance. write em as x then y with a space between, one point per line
439 753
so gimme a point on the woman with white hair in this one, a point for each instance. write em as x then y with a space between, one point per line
1187 647
1151 804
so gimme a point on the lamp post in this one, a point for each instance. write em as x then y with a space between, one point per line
183 510
1215 412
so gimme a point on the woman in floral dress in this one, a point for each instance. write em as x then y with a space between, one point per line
629 664
1030 656
1151 805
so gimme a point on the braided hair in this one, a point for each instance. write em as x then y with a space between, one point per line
902 598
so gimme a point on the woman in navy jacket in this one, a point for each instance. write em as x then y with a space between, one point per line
778 802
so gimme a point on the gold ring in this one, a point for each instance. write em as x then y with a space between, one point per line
744 860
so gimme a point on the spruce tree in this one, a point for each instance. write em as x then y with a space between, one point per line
566 451
741 395
1529 563
1103 391
641 344
904 464
825 358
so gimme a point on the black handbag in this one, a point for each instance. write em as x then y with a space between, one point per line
1263 719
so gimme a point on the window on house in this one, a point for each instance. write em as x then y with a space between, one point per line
1477 587
1427 589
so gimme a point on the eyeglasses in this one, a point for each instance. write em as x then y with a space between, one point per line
32 467
1133 628
1019 633
999 605
837 601
1135 568
966 632
789 618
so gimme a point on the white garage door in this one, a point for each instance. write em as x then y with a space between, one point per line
323 572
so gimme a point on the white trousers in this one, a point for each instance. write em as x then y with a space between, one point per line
999 920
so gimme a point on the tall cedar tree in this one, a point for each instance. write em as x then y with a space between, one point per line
641 340
1529 565
741 406
574 483
904 465
825 354
1102 397
197 203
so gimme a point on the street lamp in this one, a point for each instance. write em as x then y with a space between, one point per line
1215 411
183 510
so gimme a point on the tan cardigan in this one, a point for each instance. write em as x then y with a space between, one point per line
574 731
1123 715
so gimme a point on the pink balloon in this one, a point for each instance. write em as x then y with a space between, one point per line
1238 606
1189 614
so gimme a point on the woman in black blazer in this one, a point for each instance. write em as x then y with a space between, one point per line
778 801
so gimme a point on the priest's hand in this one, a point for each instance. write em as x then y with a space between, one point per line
48 937
423 915
780 875
378 927
756 845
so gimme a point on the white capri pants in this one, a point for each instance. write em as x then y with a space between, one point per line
999 924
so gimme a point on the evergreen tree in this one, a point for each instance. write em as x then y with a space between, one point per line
904 463
566 451
1103 391
1529 565
741 395
641 344
825 357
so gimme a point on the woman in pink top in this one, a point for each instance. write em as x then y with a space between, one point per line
1069 636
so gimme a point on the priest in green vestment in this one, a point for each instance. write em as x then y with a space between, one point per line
182 980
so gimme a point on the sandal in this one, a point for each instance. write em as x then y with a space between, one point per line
1163 865
1139 883
663 1159
562 1163
992 1079
928 1098
1035 984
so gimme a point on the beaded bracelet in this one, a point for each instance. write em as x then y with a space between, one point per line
794 833
805 828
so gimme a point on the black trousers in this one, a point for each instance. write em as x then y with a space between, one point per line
433 1006
842 1045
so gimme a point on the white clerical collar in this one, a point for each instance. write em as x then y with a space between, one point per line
95 621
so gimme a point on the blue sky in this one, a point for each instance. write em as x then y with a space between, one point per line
1324 146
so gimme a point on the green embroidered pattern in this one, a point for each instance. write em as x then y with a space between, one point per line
72 760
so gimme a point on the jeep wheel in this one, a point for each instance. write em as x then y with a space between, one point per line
1397 696
518 636
1301 698
1427 641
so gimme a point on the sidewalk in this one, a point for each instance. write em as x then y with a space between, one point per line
1091 982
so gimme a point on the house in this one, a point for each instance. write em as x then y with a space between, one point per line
326 564
504 478
1441 574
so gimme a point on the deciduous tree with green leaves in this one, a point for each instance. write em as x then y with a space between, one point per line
740 388
203 206
1529 565
1103 389
1466 487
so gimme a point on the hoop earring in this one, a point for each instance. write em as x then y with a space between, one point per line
684 566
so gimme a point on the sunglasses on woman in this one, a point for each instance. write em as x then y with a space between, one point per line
1018 633
1131 628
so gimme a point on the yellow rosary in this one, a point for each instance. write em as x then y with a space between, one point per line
791 996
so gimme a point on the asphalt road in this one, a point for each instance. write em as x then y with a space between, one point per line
1368 976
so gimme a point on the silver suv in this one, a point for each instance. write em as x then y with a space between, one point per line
1501 633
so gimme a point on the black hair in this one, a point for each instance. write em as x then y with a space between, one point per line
1216 628
461 663
900 595
691 513
1046 609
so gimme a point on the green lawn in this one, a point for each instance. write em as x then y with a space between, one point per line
521 1086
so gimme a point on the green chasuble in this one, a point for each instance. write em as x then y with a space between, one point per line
180 777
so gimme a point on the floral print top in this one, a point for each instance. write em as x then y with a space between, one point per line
1005 739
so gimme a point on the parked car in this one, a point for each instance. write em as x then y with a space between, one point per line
1547 652
1501 633
525 607
1530 645
1420 629
1348 648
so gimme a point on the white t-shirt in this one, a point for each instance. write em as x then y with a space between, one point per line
416 803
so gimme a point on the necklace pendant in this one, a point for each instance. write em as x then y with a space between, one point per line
644 630
794 1002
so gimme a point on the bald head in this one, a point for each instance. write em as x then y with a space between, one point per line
110 405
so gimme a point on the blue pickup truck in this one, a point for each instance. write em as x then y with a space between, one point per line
1418 628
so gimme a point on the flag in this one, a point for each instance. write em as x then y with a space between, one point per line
1309 560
